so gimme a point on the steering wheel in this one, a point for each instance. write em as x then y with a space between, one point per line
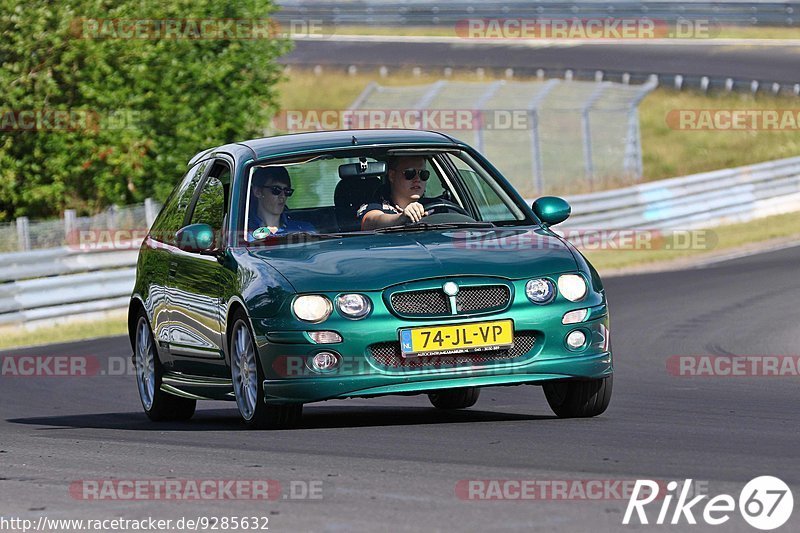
451 207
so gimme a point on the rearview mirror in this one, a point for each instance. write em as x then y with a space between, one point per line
195 238
362 169
551 210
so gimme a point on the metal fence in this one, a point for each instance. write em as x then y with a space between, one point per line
23 235
555 136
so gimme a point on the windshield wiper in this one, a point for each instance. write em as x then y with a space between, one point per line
424 226
295 237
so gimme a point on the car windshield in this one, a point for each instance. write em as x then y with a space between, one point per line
330 195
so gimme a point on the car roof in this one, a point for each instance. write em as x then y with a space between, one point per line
330 140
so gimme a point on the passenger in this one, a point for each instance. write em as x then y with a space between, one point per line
402 200
269 215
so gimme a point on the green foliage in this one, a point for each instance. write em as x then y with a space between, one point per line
140 108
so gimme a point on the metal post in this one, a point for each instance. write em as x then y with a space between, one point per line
23 234
149 212
480 105
70 223
358 102
425 100
536 146
632 162
112 217
588 162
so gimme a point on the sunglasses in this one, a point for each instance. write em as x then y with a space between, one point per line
276 190
410 173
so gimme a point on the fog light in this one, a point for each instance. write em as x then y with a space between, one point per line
325 337
576 339
573 317
325 361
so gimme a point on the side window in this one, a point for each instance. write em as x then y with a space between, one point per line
486 194
435 186
172 214
210 206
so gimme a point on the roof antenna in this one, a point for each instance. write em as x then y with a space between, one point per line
354 141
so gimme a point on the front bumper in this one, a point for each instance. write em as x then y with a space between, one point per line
304 390
284 352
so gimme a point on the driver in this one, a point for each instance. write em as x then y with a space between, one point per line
403 201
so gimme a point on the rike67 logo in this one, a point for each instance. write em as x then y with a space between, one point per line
765 503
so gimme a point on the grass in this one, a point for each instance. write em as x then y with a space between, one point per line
115 324
667 152
725 238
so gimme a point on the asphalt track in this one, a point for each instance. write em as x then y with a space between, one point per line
767 64
392 464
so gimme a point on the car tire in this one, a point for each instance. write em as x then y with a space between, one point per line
455 398
158 405
579 399
247 377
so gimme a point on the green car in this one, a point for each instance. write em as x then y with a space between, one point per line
287 270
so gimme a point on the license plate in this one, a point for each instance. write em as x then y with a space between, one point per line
463 338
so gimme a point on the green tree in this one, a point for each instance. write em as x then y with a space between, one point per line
138 108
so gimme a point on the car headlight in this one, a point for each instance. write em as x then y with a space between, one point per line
572 286
540 291
312 308
354 305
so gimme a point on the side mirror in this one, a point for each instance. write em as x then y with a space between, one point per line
196 238
551 210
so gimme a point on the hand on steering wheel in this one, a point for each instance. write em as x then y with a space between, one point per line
430 208
413 212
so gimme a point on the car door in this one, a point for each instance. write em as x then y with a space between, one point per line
195 280
160 252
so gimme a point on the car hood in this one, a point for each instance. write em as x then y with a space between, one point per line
376 261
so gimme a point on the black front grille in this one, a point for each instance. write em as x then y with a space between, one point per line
388 354
433 302
429 302
472 299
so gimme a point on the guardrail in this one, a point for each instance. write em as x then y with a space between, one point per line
41 285
426 13
61 282
700 200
